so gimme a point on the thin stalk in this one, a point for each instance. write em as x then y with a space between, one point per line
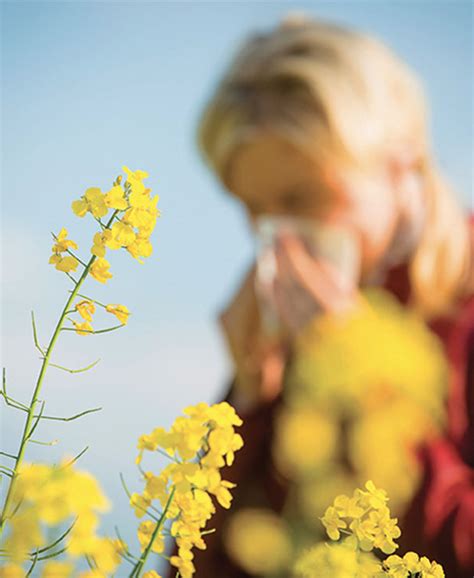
135 573
34 399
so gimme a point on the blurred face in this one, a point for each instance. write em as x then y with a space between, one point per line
273 177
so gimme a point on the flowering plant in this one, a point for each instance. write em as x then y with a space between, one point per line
364 520
61 501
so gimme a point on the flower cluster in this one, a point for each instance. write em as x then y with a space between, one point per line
368 400
134 215
86 309
47 497
342 560
126 215
199 445
64 263
412 565
364 518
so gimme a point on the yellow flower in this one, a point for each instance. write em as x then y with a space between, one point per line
106 555
135 178
375 498
92 201
100 270
50 496
141 247
120 311
12 571
122 234
115 198
183 562
64 264
336 560
84 328
68 263
63 243
140 504
294 449
80 207
55 569
259 541
145 532
151 574
333 523
86 309
156 486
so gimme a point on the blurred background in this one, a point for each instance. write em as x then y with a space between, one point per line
90 86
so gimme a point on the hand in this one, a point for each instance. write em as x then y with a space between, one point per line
305 286
259 359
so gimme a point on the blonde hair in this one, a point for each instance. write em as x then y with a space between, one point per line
347 100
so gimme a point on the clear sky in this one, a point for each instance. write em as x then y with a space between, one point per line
90 86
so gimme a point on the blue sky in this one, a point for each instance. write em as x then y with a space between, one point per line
90 86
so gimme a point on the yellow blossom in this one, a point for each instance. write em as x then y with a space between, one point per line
135 178
84 328
145 533
333 523
120 311
115 198
140 503
64 264
183 562
151 574
92 201
55 569
12 571
122 234
141 247
86 309
259 542
100 270
62 243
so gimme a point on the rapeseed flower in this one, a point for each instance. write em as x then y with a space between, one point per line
62 244
100 270
120 311
199 444
86 309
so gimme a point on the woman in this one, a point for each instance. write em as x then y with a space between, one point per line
317 121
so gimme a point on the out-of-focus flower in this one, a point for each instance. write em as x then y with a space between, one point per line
341 560
10 570
305 439
56 569
359 403
47 496
258 541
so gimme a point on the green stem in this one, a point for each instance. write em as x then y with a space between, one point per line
37 390
34 399
135 573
